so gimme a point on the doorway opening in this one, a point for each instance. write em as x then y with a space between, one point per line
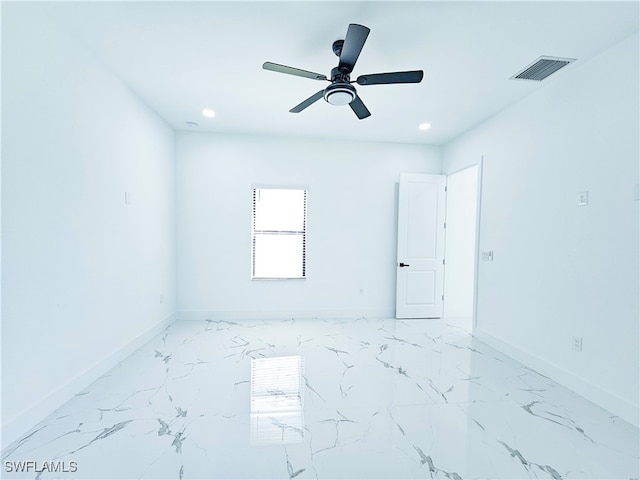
461 246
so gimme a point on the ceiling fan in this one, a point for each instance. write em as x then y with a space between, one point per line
340 91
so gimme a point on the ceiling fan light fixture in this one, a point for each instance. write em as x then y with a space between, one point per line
339 94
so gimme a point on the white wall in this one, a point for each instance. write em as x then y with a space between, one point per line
460 246
351 241
82 272
561 270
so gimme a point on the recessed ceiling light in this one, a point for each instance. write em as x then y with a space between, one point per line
207 112
192 124
424 126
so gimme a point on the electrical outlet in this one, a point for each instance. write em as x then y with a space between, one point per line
583 199
577 343
161 299
361 291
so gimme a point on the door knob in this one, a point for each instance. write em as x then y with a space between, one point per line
404 264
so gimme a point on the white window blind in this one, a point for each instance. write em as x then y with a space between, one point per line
279 233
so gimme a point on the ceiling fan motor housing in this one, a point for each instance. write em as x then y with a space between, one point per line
339 93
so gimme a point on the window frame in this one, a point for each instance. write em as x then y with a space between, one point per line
303 232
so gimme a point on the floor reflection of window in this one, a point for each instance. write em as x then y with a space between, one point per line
277 390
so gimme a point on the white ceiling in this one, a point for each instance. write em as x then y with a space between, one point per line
182 56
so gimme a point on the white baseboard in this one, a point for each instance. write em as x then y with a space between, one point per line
21 423
188 315
614 404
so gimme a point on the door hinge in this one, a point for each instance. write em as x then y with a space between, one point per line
443 298
445 224
445 188
443 261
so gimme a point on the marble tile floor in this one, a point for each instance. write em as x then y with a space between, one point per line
324 399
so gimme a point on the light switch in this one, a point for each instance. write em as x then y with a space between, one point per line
487 256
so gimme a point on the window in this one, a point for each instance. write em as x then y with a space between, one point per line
279 233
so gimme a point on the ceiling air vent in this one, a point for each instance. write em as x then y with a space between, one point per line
542 68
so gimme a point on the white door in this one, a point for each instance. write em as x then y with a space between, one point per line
420 266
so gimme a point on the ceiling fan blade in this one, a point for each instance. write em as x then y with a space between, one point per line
274 67
359 108
414 76
353 43
312 99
